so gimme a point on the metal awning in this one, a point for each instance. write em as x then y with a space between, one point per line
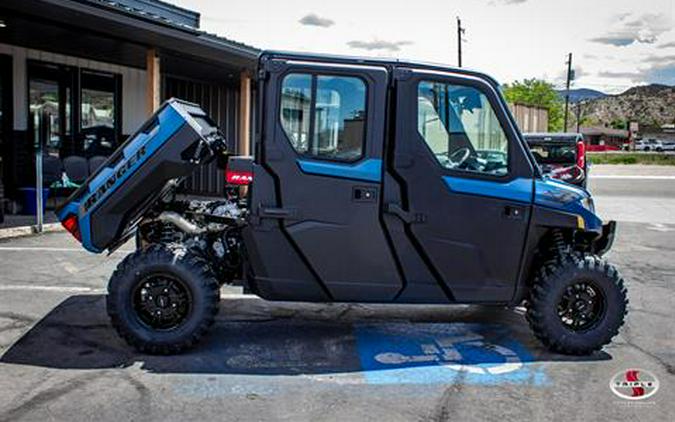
108 31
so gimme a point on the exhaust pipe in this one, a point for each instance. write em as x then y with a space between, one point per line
180 222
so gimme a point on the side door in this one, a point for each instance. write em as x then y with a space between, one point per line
316 194
467 183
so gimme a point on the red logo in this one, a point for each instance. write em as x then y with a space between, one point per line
634 384
239 177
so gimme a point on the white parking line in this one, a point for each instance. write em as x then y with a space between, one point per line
618 176
83 289
59 289
49 249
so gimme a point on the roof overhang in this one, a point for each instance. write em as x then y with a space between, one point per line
104 21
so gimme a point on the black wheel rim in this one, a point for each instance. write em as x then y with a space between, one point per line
162 302
581 306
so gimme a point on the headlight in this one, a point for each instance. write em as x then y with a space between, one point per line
588 204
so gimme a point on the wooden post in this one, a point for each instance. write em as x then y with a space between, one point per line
244 147
153 86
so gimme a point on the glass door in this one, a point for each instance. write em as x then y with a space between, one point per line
50 95
6 97
99 112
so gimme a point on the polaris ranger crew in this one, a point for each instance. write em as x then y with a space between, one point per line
372 181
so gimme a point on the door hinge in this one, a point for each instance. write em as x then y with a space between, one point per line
406 216
402 74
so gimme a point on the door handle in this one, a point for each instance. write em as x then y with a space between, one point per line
513 212
278 213
406 216
364 194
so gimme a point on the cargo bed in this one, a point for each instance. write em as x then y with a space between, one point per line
104 211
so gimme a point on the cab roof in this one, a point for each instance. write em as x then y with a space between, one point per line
372 61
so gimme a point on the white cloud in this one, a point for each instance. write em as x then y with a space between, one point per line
378 45
313 19
631 28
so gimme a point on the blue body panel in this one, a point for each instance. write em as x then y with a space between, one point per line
169 121
547 192
519 190
557 195
368 170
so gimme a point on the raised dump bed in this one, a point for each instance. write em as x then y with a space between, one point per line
103 212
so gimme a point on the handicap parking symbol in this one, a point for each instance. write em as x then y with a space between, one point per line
409 353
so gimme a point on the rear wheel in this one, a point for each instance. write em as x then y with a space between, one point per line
162 300
577 304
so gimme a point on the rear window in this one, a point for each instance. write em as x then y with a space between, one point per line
554 154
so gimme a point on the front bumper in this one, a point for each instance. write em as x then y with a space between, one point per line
604 242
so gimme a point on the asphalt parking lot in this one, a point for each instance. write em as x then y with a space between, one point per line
61 360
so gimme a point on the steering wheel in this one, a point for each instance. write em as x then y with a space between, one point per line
458 157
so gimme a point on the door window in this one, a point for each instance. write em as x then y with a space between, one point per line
460 127
44 98
324 116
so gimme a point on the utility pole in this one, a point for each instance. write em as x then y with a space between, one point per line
460 31
567 92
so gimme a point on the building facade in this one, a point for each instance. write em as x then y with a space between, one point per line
603 138
530 118
83 75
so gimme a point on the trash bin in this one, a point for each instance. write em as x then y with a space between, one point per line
29 200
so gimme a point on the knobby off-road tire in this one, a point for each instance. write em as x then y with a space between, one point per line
170 282
565 284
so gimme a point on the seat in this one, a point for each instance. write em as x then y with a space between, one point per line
77 168
95 162
52 169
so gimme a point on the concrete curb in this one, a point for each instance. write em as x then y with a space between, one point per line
13 232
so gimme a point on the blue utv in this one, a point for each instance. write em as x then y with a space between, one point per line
372 181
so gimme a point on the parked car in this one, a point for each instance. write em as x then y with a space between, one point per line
560 155
649 145
441 210
668 145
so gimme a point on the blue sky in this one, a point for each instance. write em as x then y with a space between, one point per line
616 43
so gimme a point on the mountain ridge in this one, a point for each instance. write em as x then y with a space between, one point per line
652 105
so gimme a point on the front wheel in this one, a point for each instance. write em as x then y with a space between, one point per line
162 300
577 304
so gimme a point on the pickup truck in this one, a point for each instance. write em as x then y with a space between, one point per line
560 155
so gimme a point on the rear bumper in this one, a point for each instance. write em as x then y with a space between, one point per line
605 241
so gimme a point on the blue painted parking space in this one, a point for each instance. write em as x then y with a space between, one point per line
470 353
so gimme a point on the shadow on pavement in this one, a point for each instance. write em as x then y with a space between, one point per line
252 336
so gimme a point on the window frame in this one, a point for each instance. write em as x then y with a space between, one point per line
314 75
491 96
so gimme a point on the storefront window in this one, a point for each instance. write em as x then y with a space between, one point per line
58 93
98 113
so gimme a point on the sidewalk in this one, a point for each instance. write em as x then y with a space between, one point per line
26 220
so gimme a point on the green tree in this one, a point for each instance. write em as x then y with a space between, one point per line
619 124
535 92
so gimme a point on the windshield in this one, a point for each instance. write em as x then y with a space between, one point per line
554 153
